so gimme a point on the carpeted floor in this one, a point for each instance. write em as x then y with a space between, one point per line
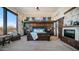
24 45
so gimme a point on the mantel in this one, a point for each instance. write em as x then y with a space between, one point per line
71 26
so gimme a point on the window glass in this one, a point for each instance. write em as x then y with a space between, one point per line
1 21
11 22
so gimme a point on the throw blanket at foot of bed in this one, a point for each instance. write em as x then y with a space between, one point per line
34 35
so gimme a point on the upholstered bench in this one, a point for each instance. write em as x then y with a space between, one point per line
5 39
16 37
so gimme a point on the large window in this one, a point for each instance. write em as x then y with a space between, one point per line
8 21
1 21
11 22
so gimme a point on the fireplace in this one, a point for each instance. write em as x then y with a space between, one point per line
69 33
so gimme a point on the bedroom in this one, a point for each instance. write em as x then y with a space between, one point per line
38 24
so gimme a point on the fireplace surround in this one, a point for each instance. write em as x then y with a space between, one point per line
69 33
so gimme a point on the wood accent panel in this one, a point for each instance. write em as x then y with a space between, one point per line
71 42
71 26
60 26
39 24
69 10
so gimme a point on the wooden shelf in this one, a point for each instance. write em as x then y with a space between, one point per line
72 26
68 37
39 21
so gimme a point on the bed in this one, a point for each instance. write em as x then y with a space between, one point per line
39 34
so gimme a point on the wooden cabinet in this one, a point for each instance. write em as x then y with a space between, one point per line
71 42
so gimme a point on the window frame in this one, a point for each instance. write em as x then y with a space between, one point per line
5 20
2 19
16 19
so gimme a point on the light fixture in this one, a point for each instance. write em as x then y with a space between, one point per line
37 8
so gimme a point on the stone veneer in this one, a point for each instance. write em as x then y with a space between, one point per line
73 15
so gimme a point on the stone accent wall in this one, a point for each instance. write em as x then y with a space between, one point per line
72 15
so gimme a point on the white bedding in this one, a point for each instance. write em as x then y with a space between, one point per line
34 35
39 30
